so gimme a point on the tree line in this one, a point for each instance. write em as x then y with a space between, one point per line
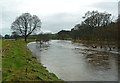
95 26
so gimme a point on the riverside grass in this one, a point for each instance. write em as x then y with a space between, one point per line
18 63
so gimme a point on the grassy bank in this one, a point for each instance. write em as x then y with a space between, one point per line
18 64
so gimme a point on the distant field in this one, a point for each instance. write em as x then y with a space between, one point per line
18 64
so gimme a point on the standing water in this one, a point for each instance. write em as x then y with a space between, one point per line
76 62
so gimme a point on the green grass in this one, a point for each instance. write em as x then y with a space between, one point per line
18 63
68 38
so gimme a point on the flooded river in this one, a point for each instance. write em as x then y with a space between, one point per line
77 62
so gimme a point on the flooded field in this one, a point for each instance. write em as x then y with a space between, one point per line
77 62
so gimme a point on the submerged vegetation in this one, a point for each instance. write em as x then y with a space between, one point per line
18 63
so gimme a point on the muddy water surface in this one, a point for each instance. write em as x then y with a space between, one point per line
77 62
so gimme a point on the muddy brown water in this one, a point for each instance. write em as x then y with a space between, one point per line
77 62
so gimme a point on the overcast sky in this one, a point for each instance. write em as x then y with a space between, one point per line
54 14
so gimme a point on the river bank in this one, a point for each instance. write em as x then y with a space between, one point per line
99 43
18 63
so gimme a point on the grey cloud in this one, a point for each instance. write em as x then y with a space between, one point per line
106 5
7 18
61 21
55 22
111 7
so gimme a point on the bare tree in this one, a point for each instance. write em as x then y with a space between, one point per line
96 19
26 24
